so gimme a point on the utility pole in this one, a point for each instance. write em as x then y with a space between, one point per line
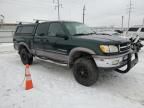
84 8
122 22
1 20
129 13
58 5
143 21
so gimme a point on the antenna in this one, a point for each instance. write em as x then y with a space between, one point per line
129 13
57 6
84 8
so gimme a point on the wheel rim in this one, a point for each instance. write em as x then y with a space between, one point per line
83 72
24 57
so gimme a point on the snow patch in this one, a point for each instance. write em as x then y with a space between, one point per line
55 87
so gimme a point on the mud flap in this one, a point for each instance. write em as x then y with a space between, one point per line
130 63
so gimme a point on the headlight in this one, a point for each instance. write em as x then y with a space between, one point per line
108 48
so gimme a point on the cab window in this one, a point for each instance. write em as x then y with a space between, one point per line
54 29
42 29
27 29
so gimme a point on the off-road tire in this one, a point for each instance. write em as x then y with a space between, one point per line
26 57
85 71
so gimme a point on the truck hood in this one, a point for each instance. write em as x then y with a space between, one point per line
105 38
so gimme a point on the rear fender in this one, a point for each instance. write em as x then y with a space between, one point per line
22 44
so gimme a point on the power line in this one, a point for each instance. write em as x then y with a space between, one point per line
129 13
58 5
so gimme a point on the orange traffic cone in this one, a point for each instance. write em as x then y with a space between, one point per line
28 80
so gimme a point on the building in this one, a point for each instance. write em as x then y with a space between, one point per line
8 26
6 32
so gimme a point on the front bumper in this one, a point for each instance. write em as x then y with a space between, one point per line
110 61
115 62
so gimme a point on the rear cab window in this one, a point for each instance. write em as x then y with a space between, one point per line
19 29
25 29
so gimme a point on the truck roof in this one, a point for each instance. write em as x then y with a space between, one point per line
37 22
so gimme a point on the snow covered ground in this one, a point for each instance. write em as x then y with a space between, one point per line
55 87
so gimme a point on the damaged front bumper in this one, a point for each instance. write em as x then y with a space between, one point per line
129 59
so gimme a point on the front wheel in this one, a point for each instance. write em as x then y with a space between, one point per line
85 71
26 57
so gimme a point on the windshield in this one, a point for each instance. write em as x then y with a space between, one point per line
76 28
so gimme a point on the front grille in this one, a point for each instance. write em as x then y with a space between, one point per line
125 47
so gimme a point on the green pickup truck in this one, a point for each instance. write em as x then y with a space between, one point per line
75 44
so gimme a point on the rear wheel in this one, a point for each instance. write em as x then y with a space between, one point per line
85 71
26 57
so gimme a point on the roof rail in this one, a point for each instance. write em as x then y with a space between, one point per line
38 20
20 23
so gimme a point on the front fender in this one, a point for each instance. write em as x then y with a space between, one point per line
79 49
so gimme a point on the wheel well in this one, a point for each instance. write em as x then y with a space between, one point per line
77 55
21 47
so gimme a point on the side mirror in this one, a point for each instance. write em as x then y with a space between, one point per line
61 36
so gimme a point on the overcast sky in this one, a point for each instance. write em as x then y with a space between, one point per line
98 12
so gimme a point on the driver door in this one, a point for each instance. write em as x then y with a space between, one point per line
54 51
